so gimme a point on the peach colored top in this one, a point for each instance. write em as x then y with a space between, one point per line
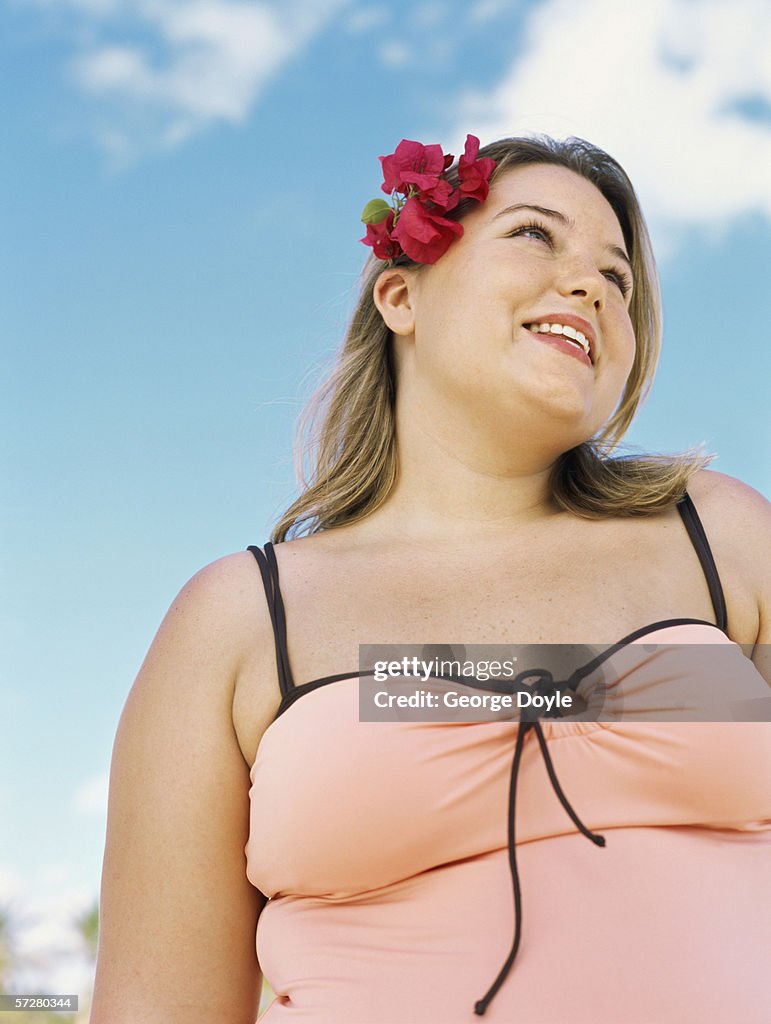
384 851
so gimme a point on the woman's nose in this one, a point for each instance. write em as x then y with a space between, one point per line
583 278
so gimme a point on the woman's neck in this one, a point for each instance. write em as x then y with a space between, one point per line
443 493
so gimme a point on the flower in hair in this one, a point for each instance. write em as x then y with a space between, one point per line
379 236
474 173
424 234
415 177
413 164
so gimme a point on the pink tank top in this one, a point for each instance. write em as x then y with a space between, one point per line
395 855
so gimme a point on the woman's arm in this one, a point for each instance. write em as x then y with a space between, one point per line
177 914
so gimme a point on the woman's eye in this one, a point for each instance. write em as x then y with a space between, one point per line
620 280
531 230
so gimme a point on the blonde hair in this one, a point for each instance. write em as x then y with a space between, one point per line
347 433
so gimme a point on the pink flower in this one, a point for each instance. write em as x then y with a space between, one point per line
441 194
379 237
415 179
423 234
413 164
474 174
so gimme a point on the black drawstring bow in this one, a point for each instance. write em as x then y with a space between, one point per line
546 684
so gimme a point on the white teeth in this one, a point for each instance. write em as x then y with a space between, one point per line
569 332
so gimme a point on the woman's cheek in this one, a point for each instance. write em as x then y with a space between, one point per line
631 345
627 344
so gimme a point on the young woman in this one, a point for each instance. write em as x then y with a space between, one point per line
464 491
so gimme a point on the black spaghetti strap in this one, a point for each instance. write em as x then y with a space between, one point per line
269 572
280 618
693 525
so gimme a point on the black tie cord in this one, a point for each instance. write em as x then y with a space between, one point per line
481 1005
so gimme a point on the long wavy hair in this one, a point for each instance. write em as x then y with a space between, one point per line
346 455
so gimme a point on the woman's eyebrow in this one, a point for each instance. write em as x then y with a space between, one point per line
538 209
546 212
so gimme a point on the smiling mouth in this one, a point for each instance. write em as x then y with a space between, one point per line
570 334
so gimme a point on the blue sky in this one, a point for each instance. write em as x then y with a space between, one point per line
182 183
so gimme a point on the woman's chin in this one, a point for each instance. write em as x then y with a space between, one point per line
563 411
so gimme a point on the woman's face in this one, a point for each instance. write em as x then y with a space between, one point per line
476 311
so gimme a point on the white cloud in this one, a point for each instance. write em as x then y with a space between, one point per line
419 31
216 58
654 84
91 796
113 68
116 145
395 54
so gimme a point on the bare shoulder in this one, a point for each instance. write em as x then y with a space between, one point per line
221 617
737 518
730 496
737 521
224 603
308 569
225 606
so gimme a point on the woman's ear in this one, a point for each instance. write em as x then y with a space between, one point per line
394 296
